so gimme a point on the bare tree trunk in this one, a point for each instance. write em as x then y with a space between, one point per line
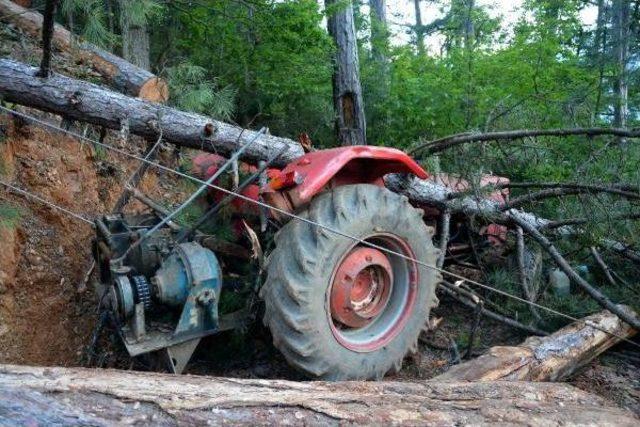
347 92
598 53
76 396
379 29
419 27
135 38
621 24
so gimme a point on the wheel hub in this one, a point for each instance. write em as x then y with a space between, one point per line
361 287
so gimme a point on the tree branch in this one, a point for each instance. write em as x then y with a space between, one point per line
445 143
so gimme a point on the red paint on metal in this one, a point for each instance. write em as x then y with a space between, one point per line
361 287
398 322
347 165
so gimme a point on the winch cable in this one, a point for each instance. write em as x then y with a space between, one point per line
30 195
316 224
205 185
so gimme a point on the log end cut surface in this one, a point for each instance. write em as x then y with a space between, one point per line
74 396
155 90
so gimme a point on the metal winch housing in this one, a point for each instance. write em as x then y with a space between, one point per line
156 281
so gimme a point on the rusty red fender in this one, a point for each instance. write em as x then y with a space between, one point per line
317 171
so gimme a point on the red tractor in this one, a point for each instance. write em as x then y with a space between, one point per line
339 301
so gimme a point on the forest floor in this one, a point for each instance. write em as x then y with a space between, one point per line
47 317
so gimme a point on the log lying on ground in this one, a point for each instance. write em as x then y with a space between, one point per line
121 75
87 102
550 358
75 396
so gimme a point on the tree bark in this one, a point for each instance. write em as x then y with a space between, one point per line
47 35
120 74
621 35
76 396
419 27
348 103
551 358
379 29
135 38
83 101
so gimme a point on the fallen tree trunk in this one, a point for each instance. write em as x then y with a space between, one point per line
551 358
75 396
87 102
121 75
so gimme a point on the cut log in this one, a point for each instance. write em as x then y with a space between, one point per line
75 396
551 358
120 74
87 102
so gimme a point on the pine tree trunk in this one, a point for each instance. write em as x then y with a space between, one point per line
419 27
379 29
347 92
135 39
621 14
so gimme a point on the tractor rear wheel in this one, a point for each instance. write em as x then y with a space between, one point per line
339 309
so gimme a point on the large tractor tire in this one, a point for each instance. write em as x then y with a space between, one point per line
338 309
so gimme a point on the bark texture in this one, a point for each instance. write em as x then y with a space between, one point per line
75 396
551 358
83 101
120 74
347 92
135 38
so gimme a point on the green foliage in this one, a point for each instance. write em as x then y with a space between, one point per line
141 12
93 17
9 215
192 91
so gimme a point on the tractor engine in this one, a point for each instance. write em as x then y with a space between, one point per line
164 295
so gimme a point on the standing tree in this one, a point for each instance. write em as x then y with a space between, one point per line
134 15
379 29
347 91
621 36
419 28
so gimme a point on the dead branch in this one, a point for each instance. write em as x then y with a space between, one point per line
435 146
517 202
525 280
471 300
551 225
445 226
603 266
570 272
